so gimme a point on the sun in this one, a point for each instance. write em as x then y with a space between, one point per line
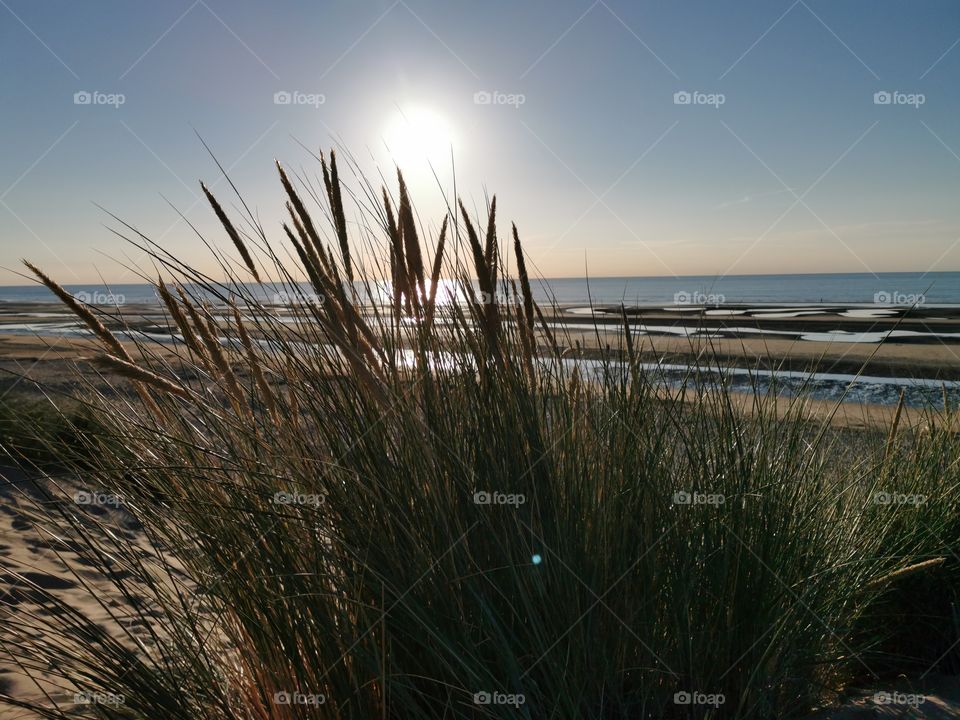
418 137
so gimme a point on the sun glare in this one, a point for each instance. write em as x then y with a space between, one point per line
418 137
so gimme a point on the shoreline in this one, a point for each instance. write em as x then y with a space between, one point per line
752 370
860 356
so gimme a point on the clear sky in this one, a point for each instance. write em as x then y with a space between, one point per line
783 160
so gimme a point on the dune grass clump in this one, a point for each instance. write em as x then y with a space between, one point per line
48 435
398 491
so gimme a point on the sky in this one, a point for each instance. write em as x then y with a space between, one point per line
624 138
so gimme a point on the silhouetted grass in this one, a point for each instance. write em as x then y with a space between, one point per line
312 494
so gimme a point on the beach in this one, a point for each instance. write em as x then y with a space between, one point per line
57 359
480 361
846 380
857 354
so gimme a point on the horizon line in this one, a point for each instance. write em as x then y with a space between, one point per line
717 276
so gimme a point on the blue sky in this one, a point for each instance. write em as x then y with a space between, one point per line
782 162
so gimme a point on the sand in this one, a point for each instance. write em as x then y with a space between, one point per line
57 363
28 557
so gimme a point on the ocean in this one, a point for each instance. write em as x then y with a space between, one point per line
933 288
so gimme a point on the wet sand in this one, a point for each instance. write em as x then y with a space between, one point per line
56 365
921 342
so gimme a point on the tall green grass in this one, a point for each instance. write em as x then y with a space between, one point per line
314 497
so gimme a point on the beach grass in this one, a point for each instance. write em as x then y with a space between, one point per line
44 434
383 503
